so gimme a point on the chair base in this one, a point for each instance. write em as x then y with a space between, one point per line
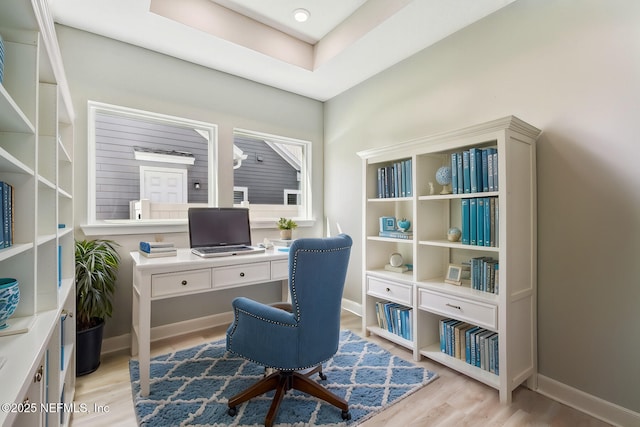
283 381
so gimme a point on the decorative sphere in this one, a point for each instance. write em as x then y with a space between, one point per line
404 225
443 175
454 234
9 299
396 260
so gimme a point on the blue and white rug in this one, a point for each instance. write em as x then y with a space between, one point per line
191 387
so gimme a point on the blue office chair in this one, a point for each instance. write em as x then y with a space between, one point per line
304 334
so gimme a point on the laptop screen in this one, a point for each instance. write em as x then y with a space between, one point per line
219 227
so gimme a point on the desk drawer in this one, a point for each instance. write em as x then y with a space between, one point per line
480 314
241 274
182 282
280 269
395 292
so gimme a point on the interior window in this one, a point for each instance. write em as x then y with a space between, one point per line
271 175
148 166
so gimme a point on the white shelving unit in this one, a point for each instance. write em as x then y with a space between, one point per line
36 152
512 312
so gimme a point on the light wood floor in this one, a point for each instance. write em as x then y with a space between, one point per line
451 400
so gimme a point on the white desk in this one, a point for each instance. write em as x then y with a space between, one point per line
185 274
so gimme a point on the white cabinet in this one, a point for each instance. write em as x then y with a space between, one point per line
506 316
36 152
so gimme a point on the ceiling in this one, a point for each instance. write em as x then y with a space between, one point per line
343 43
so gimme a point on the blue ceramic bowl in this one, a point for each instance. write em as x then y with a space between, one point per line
9 299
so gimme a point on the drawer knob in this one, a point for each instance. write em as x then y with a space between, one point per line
184 283
242 274
457 307
388 289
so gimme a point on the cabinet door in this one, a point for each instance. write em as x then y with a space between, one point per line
30 413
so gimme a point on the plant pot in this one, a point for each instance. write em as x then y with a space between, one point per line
285 234
89 346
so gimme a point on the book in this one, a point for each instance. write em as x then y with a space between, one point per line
480 207
495 171
155 246
396 234
460 174
469 338
485 170
457 330
454 173
400 269
173 252
473 221
465 221
489 224
475 169
466 172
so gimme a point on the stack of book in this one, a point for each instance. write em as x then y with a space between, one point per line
475 345
395 318
157 249
480 219
395 180
474 171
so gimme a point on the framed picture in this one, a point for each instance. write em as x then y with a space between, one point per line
454 274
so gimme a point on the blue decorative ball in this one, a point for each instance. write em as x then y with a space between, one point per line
9 299
443 175
404 224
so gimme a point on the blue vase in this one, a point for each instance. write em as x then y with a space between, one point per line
9 299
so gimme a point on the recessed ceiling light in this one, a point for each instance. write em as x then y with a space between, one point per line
301 15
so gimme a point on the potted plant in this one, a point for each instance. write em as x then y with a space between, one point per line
97 264
285 226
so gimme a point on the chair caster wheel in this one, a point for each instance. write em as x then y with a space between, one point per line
322 376
346 415
232 411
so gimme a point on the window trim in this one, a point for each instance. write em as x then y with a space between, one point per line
305 213
129 226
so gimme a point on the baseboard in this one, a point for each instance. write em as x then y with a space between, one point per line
123 342
594 406
352 306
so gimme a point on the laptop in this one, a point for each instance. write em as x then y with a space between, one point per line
217 232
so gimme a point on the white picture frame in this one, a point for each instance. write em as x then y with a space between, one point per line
454 274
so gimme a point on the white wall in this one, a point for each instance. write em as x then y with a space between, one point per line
572 69
105 70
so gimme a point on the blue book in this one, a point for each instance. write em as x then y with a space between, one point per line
475 172
410 178
488 229
460 174
454 173
6 217
480 207
485 170
468 340
495 170
473 221
490 169
2 235
466 172
465 221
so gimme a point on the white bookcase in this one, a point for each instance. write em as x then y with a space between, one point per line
36 151
511 313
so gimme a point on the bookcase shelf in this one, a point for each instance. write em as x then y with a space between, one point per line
509 312
36 153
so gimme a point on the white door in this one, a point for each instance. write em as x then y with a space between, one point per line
163 185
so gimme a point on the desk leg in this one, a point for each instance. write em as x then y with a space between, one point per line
285 291
135 319
144 337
